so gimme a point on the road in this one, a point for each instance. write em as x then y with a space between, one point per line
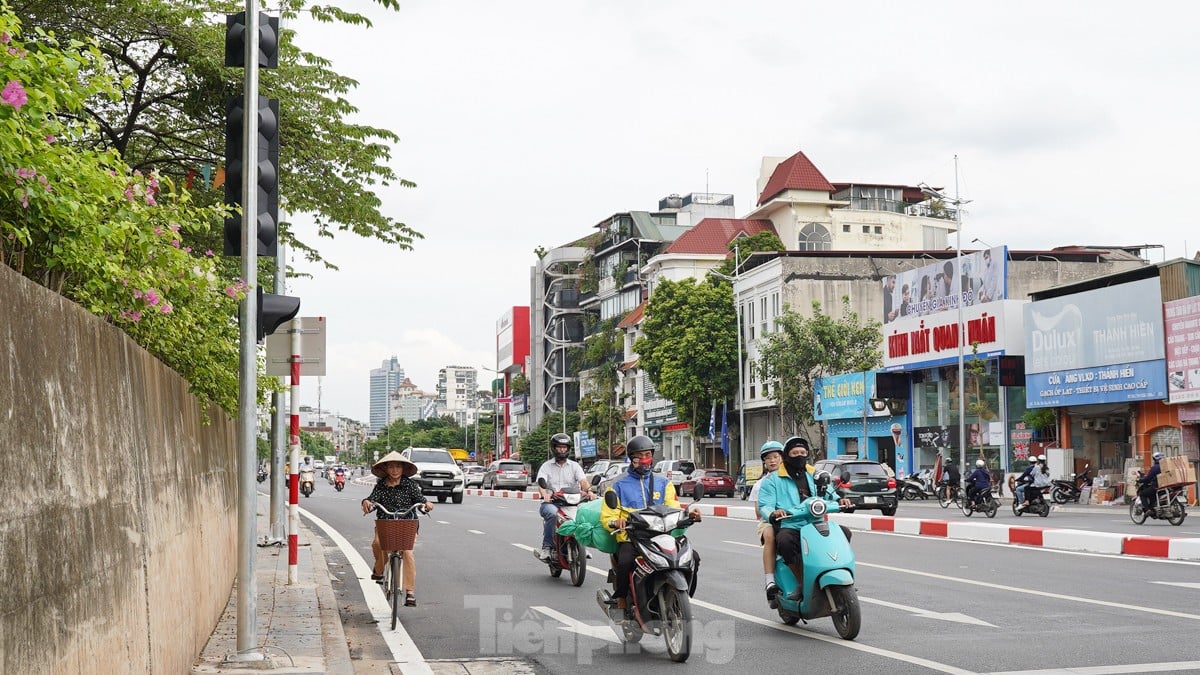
929 604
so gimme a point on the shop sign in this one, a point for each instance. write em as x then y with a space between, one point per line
844 396
936 288
1118 383
927 342
1182 328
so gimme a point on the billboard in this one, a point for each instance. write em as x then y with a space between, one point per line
845 396
918 342
936 287
1182 329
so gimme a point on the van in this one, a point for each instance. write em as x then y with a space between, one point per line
437 473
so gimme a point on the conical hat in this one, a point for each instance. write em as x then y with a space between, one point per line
393 456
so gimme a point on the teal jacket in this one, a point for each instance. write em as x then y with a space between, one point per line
779 491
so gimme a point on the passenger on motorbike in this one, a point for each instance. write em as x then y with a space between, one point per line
784 495
637 489
1036 474
559 471
1148 484
772 456
980 481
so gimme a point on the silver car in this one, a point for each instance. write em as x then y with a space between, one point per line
506 473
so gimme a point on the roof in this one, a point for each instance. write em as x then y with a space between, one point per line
712 235
795 173
634 317
628 364
630 414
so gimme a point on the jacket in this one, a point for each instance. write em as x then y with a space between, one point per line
636 492
1151 478
781 492
980 478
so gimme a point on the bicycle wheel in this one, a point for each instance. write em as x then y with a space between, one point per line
943 500
394 586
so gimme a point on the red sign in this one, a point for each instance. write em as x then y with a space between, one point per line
504 399
678 426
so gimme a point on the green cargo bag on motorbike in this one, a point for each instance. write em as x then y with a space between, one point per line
587 530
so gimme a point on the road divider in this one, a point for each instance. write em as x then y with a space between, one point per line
1173 548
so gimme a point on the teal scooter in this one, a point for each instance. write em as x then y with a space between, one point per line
828 570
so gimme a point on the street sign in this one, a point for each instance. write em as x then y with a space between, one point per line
312 348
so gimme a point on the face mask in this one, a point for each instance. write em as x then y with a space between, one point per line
642 466
796 464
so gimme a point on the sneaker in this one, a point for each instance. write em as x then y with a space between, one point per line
1021 507
543 554
772 595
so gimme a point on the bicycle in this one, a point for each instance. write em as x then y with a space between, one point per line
396 535
955 497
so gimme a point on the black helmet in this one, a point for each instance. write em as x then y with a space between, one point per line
560 440
793 442
639 444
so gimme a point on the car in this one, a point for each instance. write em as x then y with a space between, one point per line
614 471
437 473
867 484
747 475
506 473
598 468
675 470
473 475
715 482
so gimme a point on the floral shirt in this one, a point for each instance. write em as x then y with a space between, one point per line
397 498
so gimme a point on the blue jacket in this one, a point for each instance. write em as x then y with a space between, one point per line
1026 475
781 492
980 478
1151 477
637 492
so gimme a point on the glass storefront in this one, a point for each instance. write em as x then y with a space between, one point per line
935 406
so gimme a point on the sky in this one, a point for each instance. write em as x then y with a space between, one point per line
524 124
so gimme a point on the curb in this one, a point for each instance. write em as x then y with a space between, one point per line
333 635
1112 543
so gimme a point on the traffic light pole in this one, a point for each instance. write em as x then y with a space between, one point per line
247 587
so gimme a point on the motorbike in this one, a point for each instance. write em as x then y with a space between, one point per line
1037 502
339 482
566 553
917 487
262 474
306 483
984 502
1069 490
828 570
665 573
1170 504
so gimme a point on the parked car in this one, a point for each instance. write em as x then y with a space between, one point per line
597 469
675 470
614 471
437 473
747 475
867 484
506 473
474 476
715 482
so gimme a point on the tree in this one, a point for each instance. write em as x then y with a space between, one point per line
601 414
689 347
169 54
803 349
315 445
761 241
536 443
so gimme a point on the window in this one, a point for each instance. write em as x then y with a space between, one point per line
878 229
845 227
815 237
866 229
762 327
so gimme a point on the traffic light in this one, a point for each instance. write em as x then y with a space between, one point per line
266 220
274 311
235 40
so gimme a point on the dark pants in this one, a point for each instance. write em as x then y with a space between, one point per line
624 567
1148 496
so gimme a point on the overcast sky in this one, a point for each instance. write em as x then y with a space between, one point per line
526 123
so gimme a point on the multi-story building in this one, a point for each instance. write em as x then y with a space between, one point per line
512 353
457 393
556 325
409 403
384 381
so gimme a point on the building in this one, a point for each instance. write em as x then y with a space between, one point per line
458 394
409 403
384 381
555 327
512 355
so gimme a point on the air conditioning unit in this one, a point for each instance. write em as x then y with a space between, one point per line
1089 424
1100 424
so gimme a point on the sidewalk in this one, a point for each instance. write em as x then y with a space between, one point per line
299 628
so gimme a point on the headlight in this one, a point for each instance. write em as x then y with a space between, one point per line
656 558
685 558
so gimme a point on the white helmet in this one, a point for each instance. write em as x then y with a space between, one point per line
979 463
1157 456
1041 458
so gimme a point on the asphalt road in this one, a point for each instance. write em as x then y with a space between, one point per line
929 604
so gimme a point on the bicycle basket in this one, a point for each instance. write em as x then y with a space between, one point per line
396 535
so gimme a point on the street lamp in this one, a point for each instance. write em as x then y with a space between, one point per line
737 316
962 406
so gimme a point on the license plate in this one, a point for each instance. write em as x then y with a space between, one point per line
436 483
870 500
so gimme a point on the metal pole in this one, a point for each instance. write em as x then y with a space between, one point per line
247 588
737 314
962 407
862 451
278 438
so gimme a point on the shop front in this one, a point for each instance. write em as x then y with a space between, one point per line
856 428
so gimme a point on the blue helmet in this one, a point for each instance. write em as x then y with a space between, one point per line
769 447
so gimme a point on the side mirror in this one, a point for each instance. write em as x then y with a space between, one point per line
543 483
845 477
610 500
596 480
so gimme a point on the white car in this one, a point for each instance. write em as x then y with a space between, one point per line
437 473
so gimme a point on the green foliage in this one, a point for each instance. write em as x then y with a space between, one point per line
519 384
803 349
535 444
762 241
601 414
118 242
1040 419
589 281
689 348
315 445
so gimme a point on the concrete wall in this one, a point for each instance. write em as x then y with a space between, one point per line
118 503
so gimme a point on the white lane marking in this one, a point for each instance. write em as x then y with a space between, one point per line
1107 670
443 522
929 614
1181 584
573 625
527 548
475 532
403 649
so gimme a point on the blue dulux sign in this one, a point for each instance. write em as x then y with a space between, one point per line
1145 380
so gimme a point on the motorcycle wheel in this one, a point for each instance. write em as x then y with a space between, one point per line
1136 514
1060 495
992 507
1016 502
577 559
1044 510
1177 514
910 493
787 617
967 509
848 619
676 611
340 486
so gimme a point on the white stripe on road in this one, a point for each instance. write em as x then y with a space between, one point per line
475 532
1107 670
404 650
443 522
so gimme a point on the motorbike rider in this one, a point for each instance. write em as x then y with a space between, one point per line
637 489
980 480
772 456
339 474
559 471
308 472
782 496
1024 480
1148 483
951 478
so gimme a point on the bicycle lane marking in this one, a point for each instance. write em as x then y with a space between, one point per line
404 651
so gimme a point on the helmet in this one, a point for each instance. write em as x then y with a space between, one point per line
769 447
639 444
979 463
1157 456
795 441
1041 458
557 440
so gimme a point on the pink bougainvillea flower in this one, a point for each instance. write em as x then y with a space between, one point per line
158 230
5 38
166 308
231 291
51 139
175 243
14 94
208 253
187 249
151 298
150 200
137 295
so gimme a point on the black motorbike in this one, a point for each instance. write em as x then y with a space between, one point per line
1063 491
1037 502
665 573
915 487
262 474
1170 504
983 501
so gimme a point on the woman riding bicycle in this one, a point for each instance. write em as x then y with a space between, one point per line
396 491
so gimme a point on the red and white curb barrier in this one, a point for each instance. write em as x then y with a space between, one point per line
1173 548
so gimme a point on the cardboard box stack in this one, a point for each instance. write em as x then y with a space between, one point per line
1176 470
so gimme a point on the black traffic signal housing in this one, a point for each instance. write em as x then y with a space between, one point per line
274 311
235 40
266 222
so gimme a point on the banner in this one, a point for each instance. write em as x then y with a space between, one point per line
725 428
1182 319
936 287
